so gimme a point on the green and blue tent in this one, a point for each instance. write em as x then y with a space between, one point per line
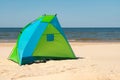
42 38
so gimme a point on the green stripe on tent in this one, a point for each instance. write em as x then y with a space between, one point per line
39 17
14 55
48 18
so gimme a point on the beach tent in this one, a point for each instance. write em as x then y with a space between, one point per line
43 38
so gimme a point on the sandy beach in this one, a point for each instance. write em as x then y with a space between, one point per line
97 61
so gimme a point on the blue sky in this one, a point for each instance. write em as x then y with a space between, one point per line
71 13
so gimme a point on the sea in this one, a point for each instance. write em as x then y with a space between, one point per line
72 34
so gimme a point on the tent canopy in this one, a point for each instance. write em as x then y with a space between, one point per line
42 38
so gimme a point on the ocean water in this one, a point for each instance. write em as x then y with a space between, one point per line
93 34
73 34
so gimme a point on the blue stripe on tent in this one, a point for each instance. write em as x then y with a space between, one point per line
56 24
31 45
25 37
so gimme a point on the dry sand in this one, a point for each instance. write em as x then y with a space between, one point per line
98 61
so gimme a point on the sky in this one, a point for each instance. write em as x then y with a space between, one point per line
71 13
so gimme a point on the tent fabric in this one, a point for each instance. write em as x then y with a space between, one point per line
42 38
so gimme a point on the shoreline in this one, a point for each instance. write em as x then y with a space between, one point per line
69 40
